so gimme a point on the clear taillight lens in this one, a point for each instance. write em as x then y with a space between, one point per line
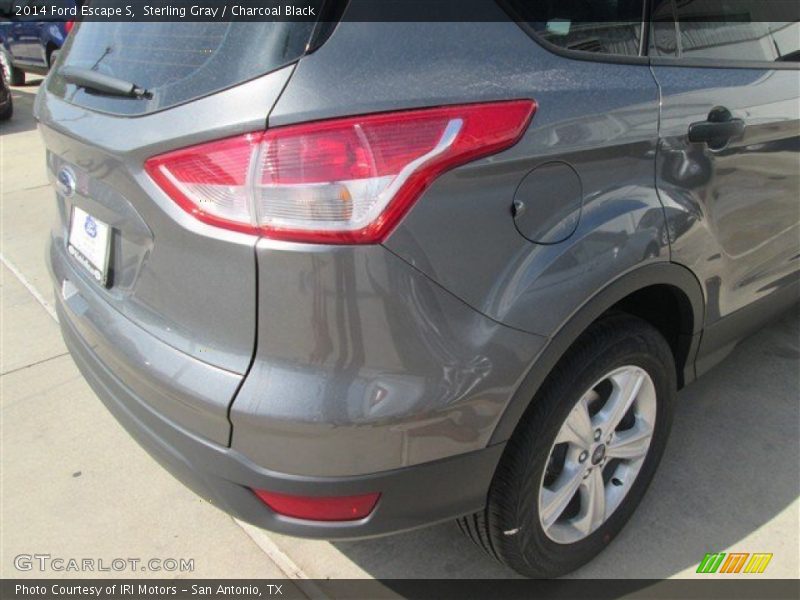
346 180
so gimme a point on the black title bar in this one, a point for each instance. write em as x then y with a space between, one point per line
358 10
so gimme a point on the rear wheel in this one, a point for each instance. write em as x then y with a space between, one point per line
583 455
14 76
8 112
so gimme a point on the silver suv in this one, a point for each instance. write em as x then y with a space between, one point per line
348 278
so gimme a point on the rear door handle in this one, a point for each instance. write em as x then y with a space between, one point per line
718 129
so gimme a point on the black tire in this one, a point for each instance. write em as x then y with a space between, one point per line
14 76
6 114
509 529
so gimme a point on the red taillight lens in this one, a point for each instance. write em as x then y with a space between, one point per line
320 508
341 181
68 25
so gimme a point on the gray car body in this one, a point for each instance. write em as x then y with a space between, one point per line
325 370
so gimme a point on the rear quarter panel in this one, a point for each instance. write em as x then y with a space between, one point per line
600 118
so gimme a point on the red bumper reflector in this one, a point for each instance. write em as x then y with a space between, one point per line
320 508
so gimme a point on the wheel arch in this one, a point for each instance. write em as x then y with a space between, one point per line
681 287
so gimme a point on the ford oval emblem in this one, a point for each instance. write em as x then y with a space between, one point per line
90 226
65 182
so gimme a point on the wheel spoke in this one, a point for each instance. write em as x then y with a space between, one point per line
593 503
626 387
631 444
577 429
554 501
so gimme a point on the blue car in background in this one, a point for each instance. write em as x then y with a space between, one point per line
29 41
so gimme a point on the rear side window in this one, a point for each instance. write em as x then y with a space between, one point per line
612 27
177 62
724 31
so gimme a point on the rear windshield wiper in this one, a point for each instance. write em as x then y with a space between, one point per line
102 83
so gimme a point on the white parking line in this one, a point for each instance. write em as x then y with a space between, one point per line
262 540
29 286
282 560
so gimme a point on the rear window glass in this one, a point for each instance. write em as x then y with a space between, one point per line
177 62
601 27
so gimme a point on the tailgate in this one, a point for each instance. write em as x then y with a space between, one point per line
186 291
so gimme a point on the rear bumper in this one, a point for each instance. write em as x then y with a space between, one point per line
410 497
423 447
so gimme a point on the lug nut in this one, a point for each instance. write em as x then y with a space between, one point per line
587 473
584 455
608 439
597 435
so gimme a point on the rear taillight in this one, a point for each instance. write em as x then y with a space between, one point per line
346 180
68 25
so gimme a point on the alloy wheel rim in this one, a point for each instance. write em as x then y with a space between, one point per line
597 454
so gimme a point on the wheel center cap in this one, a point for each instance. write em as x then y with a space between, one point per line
599 454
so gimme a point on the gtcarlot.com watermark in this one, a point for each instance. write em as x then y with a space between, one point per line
44 563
